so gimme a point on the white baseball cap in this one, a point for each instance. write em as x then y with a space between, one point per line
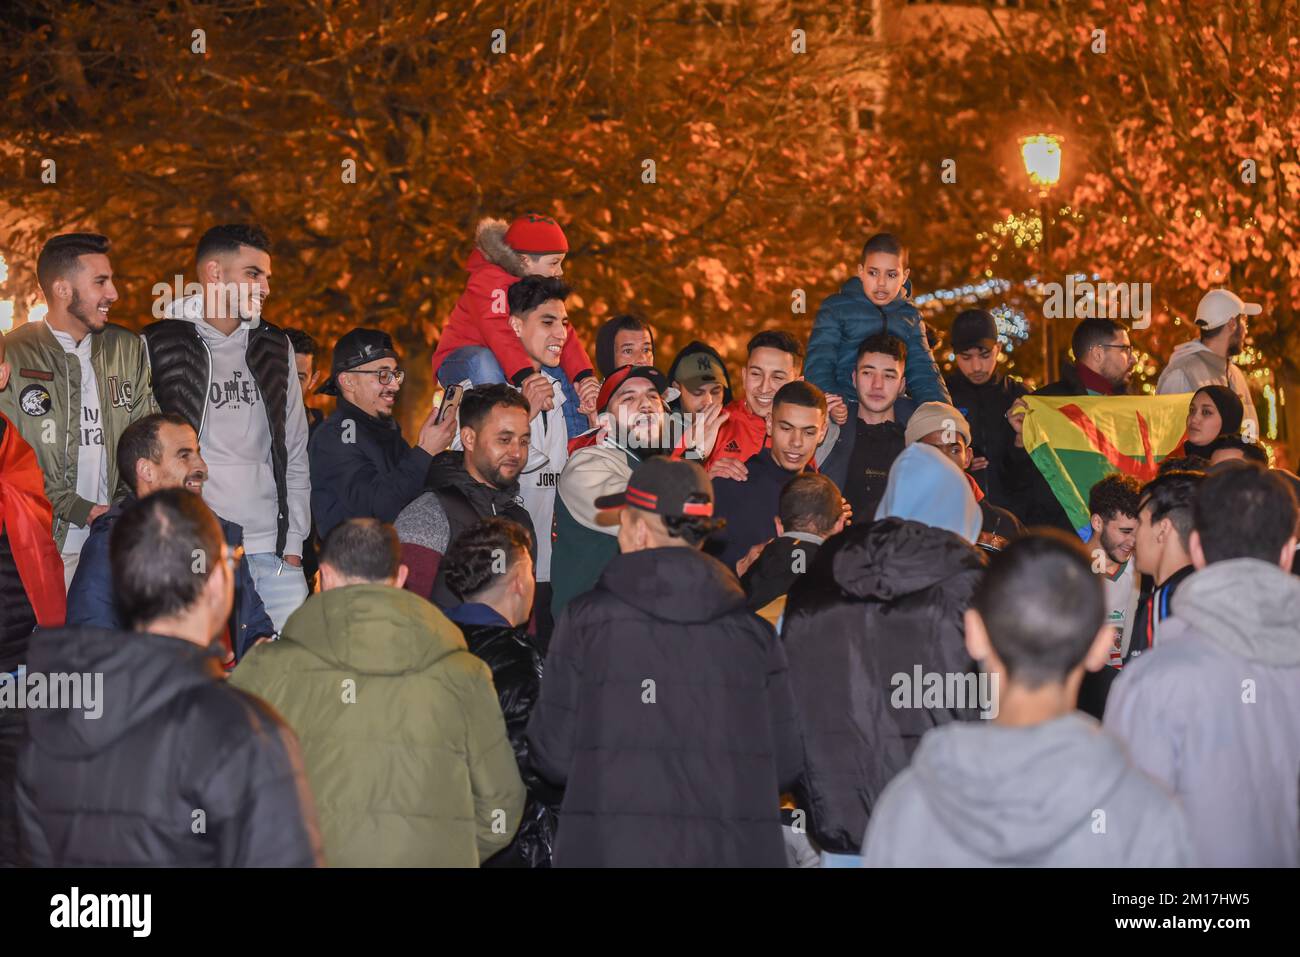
1218 307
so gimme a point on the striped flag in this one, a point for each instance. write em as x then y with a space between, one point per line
1077 440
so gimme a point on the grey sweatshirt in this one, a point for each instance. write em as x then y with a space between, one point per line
236 442
1214 712
1057 794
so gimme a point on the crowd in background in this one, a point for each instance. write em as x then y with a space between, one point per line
821 608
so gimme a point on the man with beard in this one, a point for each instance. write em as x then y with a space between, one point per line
1221 317
1103 365
632 427
76 366
482 481
361 467
233 376
1113 504
161 451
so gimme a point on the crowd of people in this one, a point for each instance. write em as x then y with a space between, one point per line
826 612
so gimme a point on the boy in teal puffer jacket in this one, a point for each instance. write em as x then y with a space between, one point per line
876 300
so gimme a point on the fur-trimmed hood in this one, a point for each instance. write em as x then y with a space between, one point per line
490 240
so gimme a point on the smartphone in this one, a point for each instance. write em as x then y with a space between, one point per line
450 400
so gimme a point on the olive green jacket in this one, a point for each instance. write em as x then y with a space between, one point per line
43 399
401 729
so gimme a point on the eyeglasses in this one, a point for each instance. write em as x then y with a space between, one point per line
385 375
1127 348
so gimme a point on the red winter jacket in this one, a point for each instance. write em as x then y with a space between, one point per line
26 518
473 323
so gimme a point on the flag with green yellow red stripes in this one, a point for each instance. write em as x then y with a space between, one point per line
1075 441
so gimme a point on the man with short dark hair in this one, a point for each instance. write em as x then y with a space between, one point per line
304 359
624 341
481 480
773 359
403 739
1103 364
160 452
1213 712
170 765
1113 506
361 466
666 712
75 366
1025 789
864 451
1161 553
983 395
231 374
490 569
810 510
797 426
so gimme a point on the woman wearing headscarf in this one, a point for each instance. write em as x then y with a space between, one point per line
1215 410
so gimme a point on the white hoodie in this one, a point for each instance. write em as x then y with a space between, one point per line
236 441
1194 365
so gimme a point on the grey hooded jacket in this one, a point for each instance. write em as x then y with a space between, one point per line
1057 794
1214 712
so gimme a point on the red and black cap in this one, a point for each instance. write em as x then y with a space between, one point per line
621 375
666 487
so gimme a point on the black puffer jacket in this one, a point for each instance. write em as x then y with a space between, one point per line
466 502
666 712
879 600
517 674
178 770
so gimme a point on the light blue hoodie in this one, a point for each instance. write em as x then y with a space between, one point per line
927 487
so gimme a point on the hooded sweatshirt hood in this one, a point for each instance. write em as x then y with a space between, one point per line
490 243
1011 795
891 558
373 629
1247 607
674 584
926 486
142 674
447 471
1196 349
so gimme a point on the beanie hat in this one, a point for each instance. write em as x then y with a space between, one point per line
536 235
1231 410
935 417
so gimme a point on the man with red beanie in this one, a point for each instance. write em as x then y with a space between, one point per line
31 592
477 343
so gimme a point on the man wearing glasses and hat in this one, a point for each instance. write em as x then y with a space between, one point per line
361 467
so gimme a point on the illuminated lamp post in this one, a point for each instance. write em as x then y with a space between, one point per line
1041 153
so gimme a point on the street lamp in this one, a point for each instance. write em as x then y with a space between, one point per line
1041 153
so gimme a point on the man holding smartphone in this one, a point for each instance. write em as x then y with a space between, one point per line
361 467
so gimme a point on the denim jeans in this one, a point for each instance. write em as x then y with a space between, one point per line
282 587
478 365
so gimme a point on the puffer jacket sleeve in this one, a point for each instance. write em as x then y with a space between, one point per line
553 726
824 347
786 736
254 794
90 596
924 383
493 773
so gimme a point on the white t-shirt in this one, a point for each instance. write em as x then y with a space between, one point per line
92 463
1121 605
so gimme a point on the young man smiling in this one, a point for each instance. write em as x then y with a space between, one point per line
77 382
750 506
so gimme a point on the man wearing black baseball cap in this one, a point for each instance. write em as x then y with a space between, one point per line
672 695
361 467
983 395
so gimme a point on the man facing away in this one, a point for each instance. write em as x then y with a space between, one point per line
402 735
666 711
1037 785
1221 317
166 764
1213 711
